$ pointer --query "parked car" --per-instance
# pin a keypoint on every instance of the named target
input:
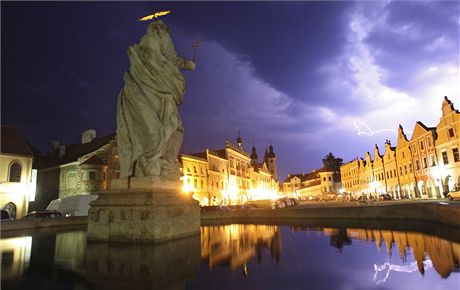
(42, 214)
(385, 196)
(5, 215)
(76, 205)
(453, 195)
(294, 201)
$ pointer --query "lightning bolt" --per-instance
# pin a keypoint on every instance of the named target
(364, 129)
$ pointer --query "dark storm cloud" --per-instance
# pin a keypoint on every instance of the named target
(300, 74)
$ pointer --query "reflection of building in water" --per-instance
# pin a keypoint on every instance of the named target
(70, 250)
(444, 255)
(237, 244)
(15, 256)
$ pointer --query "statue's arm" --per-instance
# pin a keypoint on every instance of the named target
(185, 64)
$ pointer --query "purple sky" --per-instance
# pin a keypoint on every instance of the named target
(307, 75)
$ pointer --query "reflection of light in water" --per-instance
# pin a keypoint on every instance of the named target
(15, 253)
(412, 267)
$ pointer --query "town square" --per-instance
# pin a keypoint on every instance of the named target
(230, 145)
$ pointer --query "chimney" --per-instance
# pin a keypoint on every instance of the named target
(88, 136)
(61, 150)
(54, 145)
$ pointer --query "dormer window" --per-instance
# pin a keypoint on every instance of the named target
(451, 132)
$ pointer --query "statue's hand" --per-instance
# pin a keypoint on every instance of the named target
(185, 64)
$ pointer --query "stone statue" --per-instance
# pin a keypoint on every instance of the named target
(149, 128)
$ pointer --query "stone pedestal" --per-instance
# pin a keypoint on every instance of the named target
(143, 210)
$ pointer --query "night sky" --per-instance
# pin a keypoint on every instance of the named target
(312, 77)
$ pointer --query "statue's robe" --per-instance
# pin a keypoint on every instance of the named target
(149, 128)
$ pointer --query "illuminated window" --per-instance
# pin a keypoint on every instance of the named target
(433, 160)
(456, 155)
(445, 159)
(15, 172)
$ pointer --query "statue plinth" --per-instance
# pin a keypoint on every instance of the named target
(150, 210)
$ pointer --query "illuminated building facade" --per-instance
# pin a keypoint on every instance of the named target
(316, 183)
(447, 147)
(83, 168)
(229, 175)
(426, 166)
(17, 183)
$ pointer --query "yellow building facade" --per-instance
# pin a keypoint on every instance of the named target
(17, 182)
(228, 176)
(447, 148)
(426, 166)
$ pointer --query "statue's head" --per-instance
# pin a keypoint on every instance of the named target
(158, 25)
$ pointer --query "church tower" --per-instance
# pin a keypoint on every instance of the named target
(254, 159)
(271, 161)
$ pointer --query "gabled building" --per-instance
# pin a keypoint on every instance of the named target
(83, 168)
(447, 148)
(424, 159)
(404, 159)
(16, 176)
(390, 174)
(426, 166)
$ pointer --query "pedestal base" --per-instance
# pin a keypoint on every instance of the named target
(143, 215)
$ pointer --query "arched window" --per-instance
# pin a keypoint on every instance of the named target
(11, 209)
(15, 172)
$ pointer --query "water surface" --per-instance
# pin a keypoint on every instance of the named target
(237, 256)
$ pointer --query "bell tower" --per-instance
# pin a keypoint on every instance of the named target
(271, 161)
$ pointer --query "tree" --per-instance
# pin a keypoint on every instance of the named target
(330, 162)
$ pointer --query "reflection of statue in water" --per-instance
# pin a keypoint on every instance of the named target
(149, 128)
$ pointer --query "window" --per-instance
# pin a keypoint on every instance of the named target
(92, 175)
(400, 170)
(451, 132)
(433, 160)
(324, 178)
(15, 172)
(445, 159)
(456, 156)
(394, 172)
(425, 164)
(194, 169)
(330, 178)
(417, 165)
(405, 169)
(421, 145)
(403, 155)
(410, 168)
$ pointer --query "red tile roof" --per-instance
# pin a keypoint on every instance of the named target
(12, 142)
(74, 151)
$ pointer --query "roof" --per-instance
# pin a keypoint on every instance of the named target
(94, 160)
(302, 176)
(12, 142)
(202, 155)
(74, 151)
